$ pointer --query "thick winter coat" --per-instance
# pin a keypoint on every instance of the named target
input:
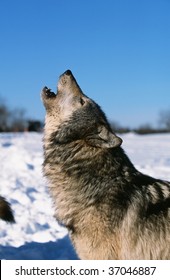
(112, 210)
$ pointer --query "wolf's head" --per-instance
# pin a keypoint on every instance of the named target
(73, 116)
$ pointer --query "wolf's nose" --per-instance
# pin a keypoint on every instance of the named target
(68, 72)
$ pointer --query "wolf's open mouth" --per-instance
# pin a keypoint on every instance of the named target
(47, 91)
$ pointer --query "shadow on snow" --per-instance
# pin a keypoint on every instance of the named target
(62, 249)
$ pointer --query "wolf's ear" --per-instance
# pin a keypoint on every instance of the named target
(104, 139)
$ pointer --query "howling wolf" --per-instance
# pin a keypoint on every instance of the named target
(111, 210)
(5, 211)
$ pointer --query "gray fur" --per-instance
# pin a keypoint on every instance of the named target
(112, 211)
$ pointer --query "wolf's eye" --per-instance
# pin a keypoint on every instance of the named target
(82, 101)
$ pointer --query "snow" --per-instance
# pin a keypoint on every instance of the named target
(36, 234)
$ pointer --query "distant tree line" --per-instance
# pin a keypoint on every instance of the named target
(163, 125)
(16, 121)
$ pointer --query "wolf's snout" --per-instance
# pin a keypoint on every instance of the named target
(66, 77)
(67, 84)
(68, 72)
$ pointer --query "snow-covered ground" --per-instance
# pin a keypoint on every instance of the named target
(36, 234)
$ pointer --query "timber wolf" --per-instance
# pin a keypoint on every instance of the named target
(111, 210)
(6, 211)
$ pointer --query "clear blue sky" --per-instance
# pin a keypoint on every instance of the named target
(118, 50)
